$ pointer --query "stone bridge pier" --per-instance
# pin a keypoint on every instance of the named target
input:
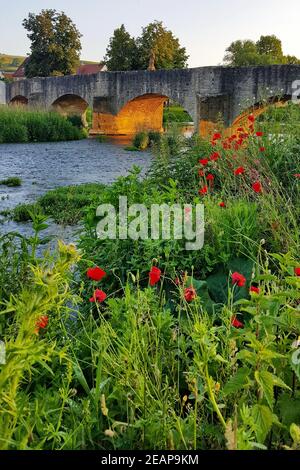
(127, 102)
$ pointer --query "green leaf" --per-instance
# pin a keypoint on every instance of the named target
(263, 420)
(295, 433)
(238, 381)
(266, 383)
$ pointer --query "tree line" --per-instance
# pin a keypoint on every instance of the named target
(56, 46)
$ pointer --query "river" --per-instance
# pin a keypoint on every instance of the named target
(45, 166)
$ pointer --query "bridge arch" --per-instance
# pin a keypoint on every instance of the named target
(143, 112)
(257, 110)
(71, 105)
(19, 100)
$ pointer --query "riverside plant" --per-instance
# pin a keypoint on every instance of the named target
(20, 125)
(141, 345)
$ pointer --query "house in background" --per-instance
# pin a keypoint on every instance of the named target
(88, 69)
(19, 74)
(83, 69)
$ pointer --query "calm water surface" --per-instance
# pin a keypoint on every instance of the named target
(46, 166)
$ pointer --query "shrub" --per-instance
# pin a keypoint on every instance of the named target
(12, 181)
(25, 125)
(141, 140)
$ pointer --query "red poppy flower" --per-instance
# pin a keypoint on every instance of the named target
(262, 149)
(297, 272)
(255, 289)
(226, 146)
(239, 171)
(41, 323)
(99, 296)
(217, 136)
(251, 128)
(251, 118)
(238, 279)
(203, 161)
(222, 204)
(240, 129)
(214, 156)
(190, 294)
(236, 323)
(257, 188)
(203, 190)
(297, 175)
(201, 173)
(210, 177)
(154, 275)
(96, 274)
(259, 134)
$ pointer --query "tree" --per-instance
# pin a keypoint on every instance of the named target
(55, 44)
(121, 52)
(165, 47)
(127, 53)
(271, 46)
(266, 51)
(291, 60)
(241, 53)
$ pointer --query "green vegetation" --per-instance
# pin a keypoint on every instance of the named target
(266, 51)
(12, 181)
(168, 349)
(55, 44)
(176, 114)
(66, 205)
(17, 124)
(127, 53)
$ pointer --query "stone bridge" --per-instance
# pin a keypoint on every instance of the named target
(126, 102)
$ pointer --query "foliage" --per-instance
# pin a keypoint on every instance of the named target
(55, 44)
(167, 51)
(150, 367)
(127, 53)
(12, 181)
(266, 51)
(17, 124)
(176, 114)
(141, 140)
(66, 205)
(121, 52)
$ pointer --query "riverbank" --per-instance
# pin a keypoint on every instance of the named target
(137, 341)
(45, 166)
(19, 125)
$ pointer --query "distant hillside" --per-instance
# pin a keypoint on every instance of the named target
(10, 63)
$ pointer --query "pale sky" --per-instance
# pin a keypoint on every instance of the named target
(204, 27)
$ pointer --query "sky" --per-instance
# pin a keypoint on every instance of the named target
(204, 27)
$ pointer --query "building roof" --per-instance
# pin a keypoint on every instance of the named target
(87, 69)
(20, 72)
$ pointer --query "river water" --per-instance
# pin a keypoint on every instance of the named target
(45, 166)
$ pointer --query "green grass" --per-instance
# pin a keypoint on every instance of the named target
(66, 205)
(176, 114)
(19, 125)
(12, 181)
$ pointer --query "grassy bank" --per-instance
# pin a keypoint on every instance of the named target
(176, 114)
(19, 125)
(142, 344)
